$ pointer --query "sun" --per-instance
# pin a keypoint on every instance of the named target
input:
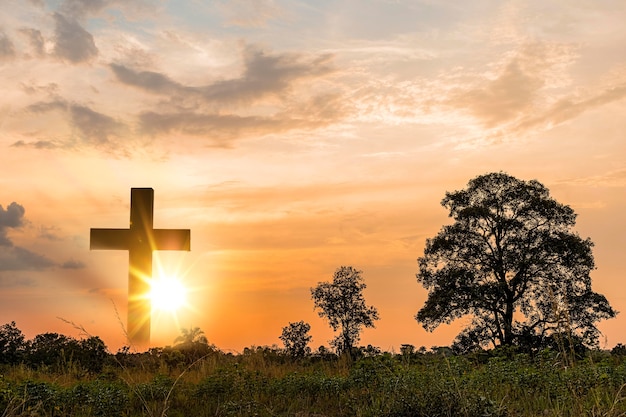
(168, 294)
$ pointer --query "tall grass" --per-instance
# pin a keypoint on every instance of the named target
(264, 382)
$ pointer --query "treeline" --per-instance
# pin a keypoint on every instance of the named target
(193, 378)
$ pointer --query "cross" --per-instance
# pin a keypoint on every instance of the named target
(140, 240)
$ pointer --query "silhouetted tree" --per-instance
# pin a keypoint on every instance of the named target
(510, 260)
(52, 349)
(342, 303)
(92, 353)
(190, 336)
(193, 345)
(296, 338)
(12, 344)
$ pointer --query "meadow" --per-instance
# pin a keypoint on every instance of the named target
(201, 380)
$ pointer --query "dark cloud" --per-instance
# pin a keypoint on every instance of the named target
(93, 126)
(223, 128)
(150, 81)
(72, 264)
(16, 258)
(73, 42)
(36, 40)
(38, 144)
(12, 217)
(264, 74)
(46, 106)
(7, 49)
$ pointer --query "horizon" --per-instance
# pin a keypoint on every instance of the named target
(292, 139)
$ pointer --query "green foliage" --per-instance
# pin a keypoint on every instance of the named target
(511, 261)
(342, 303)
(261, 382)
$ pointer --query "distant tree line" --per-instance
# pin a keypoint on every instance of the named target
(54, 351)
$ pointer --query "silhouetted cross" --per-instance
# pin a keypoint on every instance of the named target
(140, 240)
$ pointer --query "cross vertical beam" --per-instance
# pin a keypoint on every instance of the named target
(141, 239)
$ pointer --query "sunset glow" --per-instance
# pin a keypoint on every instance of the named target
(291, 138)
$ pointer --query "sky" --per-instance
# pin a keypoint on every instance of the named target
(291, 138)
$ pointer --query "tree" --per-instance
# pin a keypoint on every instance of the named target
(342, 303)
(296, 338)
(512, 262)
(12, 344)
(191, 336)
(193, 346)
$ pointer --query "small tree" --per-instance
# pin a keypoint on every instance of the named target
(341, 302)
(12, 344)
(191, 336)
(193, 345)
(296, 338)
(510, 261)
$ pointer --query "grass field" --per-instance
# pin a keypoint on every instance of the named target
(264, 381)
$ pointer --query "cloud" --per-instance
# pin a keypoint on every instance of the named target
(73, 42)
(191, 109)
(7, 48)
(81, 8)
(264, 74)
(502, 99)
(150, 81)
(48, 233)
(16, 258)
(12, 217)
(568, 108)
(36, 40)
(515, 86)
(38, 144)
(92, 127)
(72, 264)
(222, 128)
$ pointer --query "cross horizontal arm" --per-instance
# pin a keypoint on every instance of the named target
(112, 239)
(171, 239)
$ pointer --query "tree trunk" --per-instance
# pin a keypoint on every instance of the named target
(508, 323)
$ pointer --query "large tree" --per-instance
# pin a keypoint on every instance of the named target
(511, 261)
(343, 304)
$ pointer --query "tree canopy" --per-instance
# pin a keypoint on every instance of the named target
(342, 303)
(511, 261)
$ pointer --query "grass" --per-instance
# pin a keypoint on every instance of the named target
(265, 382)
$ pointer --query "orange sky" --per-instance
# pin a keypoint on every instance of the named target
(292, 138)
